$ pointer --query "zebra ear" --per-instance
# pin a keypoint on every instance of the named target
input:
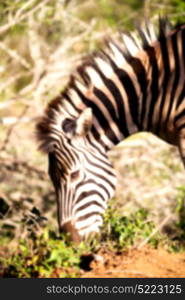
(84, 122)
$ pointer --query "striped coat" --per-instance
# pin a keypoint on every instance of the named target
(137, 83)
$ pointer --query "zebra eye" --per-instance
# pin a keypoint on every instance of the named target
(69, 125)
(75, 175)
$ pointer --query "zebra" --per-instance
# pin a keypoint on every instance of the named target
(136, 83)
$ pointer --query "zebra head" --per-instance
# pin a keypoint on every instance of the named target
(81, 173)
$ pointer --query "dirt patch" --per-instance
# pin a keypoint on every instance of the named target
(146, 262)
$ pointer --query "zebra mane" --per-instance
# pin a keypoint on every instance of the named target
(126, 46)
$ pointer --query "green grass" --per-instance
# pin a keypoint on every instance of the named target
(122, 232)
(39, 256)
(180, 209)
(45, 254)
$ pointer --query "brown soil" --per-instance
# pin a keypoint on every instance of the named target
(146, 262)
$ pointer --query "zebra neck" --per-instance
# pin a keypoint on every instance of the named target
(131, 92)
(113, 134)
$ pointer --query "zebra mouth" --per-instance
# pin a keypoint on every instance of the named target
(78, 235)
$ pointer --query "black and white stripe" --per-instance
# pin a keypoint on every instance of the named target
(136, 84)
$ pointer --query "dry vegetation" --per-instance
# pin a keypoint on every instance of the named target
(41, 42)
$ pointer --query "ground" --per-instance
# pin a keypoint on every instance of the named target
(146, 262)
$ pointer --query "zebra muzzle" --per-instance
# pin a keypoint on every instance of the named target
(69, 228)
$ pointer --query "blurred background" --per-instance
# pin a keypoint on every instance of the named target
(41, 42)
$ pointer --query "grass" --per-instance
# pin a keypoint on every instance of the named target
(43, 253)
(124, 231)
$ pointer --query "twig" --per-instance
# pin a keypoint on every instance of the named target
(4, 105)
(10, 130)
(70, 41)
(13, 120)
(10, 81)
(15, 55)
(23, 8)
(22, 17)
(75, 19)
(34, 42)
(143, 243)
